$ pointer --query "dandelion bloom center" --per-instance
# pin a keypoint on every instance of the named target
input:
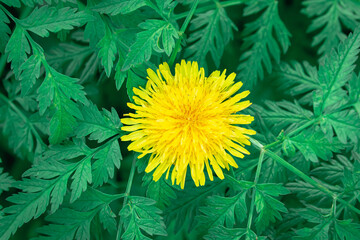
(188, 120)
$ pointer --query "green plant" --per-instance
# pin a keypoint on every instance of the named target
(68, 68)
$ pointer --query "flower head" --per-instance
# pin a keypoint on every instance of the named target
(188, 120)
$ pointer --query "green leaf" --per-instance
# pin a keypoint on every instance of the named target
(188, 202)
(133, 81)
(226, 210)
(149, 39)
(105, 160)
(94, 30)
(346, 125)
(162, 192)
(68, 224)
(30, 72)
(336, 71)
(328, 17)
(100, 125)
(260, 45)
(4, 31)
(108, 219)
(347, 230)
(223, 233)
(211, 32)
(48, 184)
(284, 114)
(50, 19)
(12, 3)
(70, 58)
(59, 89)
(141, 216)
(115, 7)
(268, 207)
(6, 181)
(18, 47)
(107, 50)
(21, 129)
(313, 145)
(297, 79)
(81, 178)
(308, 192)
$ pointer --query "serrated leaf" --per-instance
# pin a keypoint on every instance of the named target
(68, 224)
(18, 47)
(211, 32)
(59, 90)
(223, 233)
(188, 203)
(227, 208)
(44, 186)
(140, 215)
(337, 70)
(50, 19)
(115, 7)
(6, 181)
(313, 145)
(100, 126)
(284, 114)
(346, 125)
(347, 230)
(30, 72)
(328, 17)
(107, 218)
(148, 40)
(81, 178)
(12, 3)
(260, 45)
(268, 207)
(132, 81)
(107, 50)
(104, 167)
(4, 31)
(22, 131)
(162, 192)
(297, 79)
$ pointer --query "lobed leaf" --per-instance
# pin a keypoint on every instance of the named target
(50, 19)
(148, 40)
(211, 32)
(260, 45)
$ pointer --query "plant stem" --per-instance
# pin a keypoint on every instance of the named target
(127, 193)
(296, 131)
(302, 175)
(209, 7)
(257, 175)
(182, 31)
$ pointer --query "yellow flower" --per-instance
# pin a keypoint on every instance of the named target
(188, 120)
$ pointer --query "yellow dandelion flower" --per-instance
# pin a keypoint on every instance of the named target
(188, 120)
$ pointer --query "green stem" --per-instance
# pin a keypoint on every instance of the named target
(127, 193)
(257, 175)
(210, 7)
(296, 131)
(182, 31)
(303, 175)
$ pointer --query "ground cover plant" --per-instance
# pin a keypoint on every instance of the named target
(118, 120)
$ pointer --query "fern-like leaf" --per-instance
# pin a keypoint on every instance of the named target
(328, 17)
(211, 32)
(140, 215)
(260, 45)
(49, 19)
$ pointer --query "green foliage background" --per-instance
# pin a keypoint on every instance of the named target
(68, 67)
